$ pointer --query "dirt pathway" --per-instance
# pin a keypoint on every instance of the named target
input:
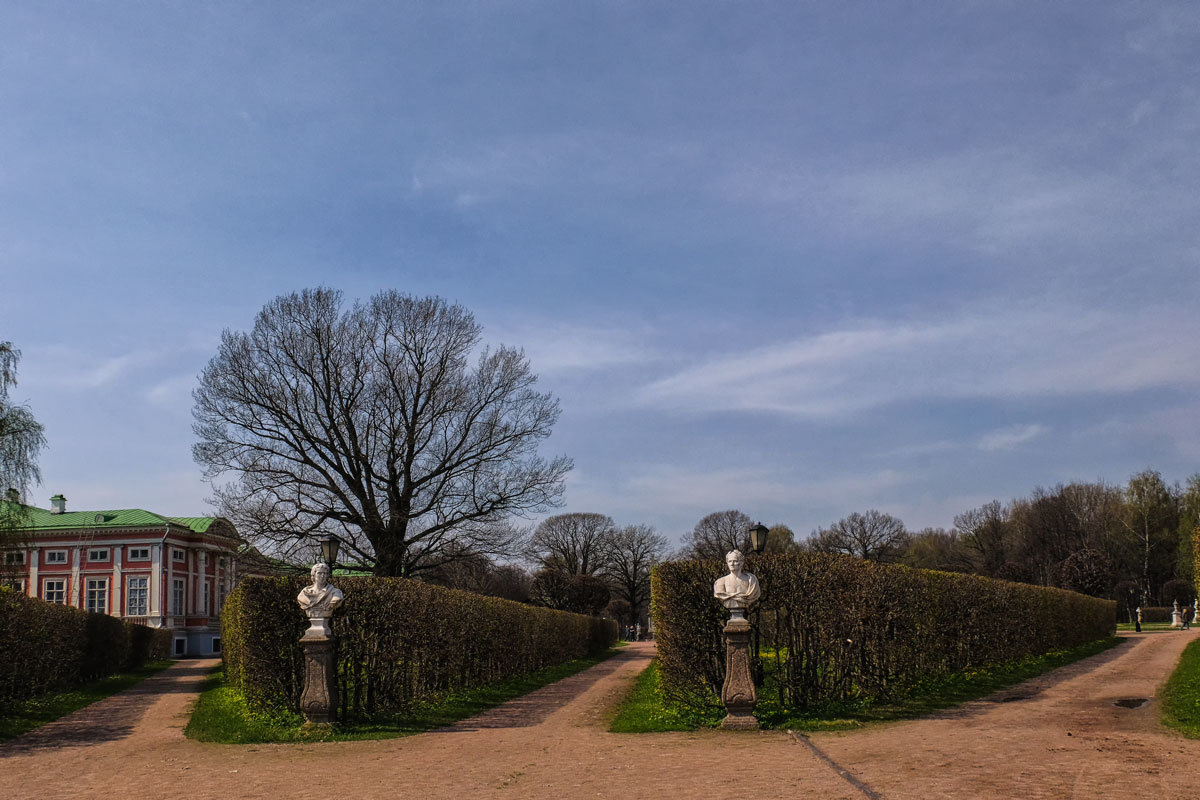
(1059, 736)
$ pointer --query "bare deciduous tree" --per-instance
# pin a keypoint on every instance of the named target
(633, 550)
(582, 594)
(373, 423)
(576, 543)
(872, 535)
(717, 534)
(1151, 518)
(985, 531)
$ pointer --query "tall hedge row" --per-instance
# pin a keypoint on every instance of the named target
(400, 642)
(843, 629)
(47, 647)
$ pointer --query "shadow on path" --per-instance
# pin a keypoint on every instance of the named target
(533, 708)
(1032, 688)
(110, 719)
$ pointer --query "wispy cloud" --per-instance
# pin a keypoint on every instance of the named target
(1011, 437)
(1054, 351)
(555, 347)
(174, 392)
(652, 490)
(70, 368)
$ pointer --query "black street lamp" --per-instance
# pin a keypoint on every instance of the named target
(758, 537)
(329, 549)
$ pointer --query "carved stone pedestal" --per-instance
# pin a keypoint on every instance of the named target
(318, 701)
(738, 693)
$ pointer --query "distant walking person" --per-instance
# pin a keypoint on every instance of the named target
(1187, 617)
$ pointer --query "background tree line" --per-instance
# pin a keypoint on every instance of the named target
(1134, 542)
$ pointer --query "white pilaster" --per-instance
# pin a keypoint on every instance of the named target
(31, 587)
(193, 589)
(75, 596)
(117, 597)
(201, 594)
(156, 587)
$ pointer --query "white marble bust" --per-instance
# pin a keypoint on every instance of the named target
(320, 599)
(738, 590)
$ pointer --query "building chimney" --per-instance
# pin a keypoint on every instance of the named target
(58, 504)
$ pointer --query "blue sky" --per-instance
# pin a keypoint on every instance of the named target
(800, 259)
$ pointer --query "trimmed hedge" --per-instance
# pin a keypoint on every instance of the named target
(400, 642)
(1157, 613)
(843, 629)
(47, 647)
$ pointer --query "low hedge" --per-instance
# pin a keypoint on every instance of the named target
(1157, 613)
(400, 642)
(47, 647)
(843, 629)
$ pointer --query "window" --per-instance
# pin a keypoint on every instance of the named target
(97, 595)
(16, 584)
(54, 591)
(216, 644)
(177, 597)
(135, 597)
(56, 556)
(204, 598)
(181, 647)
(139, 554)
(14, 558)
(98, 554)
(178, 555)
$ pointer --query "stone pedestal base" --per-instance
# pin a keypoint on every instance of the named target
(318, 701)
(738, 693)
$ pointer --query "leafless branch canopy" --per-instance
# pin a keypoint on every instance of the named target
(372, 423)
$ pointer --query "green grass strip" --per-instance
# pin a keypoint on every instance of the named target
(1181, 695)
(644, 710)
(1147, 627)
(25, 715)
(222, 714)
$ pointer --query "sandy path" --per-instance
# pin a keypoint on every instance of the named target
(552, 744)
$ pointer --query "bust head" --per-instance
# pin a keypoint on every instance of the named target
(320, 574)
(734, 560)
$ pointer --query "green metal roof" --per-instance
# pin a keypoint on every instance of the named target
(198, 524)
(42, 519)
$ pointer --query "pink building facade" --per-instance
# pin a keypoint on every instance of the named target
(165, 572)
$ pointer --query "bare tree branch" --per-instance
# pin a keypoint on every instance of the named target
(371, 422)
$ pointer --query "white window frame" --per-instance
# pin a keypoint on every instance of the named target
(178, 597)
(139, 594)
(92, 551)
(54, 557)
(94, 594)
(204, 598)
(15, 558)
(61, 592)
(178, 555)
(16, 584)
(139, 554)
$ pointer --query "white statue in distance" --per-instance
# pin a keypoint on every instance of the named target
(738, 590)
(319, 600)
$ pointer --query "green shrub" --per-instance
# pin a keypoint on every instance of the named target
(843, 629)
(400, 642)
(46, 647)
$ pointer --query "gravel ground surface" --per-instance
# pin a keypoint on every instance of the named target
(1058, 736)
